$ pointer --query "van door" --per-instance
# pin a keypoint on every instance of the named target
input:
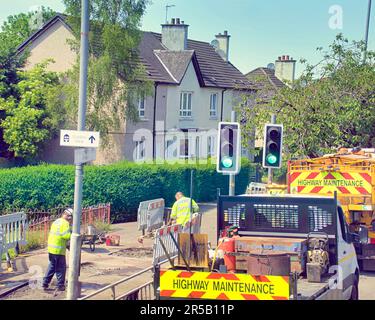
(347, 258)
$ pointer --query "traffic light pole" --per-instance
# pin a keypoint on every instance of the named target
(73, 291)
(270, 170)
(232, 177)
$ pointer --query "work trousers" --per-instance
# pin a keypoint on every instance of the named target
(57, 264)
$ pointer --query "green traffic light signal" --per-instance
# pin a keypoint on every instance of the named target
(271, 159)
(272, 148)
(227, 162)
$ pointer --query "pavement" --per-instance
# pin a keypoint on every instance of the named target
(102, 267)
(110, 264)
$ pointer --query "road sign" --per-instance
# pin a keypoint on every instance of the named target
(84, 139)
(84, 155)
(227, 286)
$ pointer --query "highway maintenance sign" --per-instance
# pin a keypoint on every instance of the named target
(83, 139)
(324, 182)
(217, 286)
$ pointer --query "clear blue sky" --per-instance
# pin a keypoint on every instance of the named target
(261, 30)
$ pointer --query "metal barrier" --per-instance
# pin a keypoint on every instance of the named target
(1, 245)
(165, 243)
(143, 292)
(14, 227)
(256, 188)
(195, 223)
(150, 215)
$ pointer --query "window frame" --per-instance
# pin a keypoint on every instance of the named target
(140, 150)
(213, 111)
(186, 148)
(142, 102)
(186, 111)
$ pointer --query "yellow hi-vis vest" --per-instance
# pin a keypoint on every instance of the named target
(181, 210)
(58, 236)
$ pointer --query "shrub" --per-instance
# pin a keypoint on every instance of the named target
(123, 185)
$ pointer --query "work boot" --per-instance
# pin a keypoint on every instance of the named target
(62, 289)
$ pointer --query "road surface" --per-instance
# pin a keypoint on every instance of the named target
(109, 264)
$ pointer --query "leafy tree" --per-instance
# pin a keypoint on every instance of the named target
(34, 116)
(331, 105)
(14, 31)
(116, 78)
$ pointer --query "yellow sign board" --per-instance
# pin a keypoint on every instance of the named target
(323, 182)
(217, 286)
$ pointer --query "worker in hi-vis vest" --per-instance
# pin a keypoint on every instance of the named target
(181, 209)
(58, 238)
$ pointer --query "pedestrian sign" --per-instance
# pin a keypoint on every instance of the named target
(83, 139)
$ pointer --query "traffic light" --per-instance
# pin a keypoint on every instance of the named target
(273, 143)
(229, 148)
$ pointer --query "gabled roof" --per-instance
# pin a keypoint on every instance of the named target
(169, 67)
(59, 17)
(175, 62)
(215, 71)
(266, 74)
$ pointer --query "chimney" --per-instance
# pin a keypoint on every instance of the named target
(223, 46)
(175, 35)
(285, 68)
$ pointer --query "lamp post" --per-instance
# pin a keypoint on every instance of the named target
(367, 29)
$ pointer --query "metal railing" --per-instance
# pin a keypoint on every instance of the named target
(143, 292)
(39, 222)
(134, 294)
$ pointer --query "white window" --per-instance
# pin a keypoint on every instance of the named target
(141, 107)
(140, 150)
(171, 151)
(184, 148)
(211, 146)
(213, 105)
(185, 104)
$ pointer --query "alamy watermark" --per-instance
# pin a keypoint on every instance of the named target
(336, 20)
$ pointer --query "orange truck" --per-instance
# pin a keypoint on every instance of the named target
(350, 173)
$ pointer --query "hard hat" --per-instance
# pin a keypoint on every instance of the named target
(68, 212)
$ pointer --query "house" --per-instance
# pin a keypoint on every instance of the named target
(278, 75)
(271, 79)
(195, 87)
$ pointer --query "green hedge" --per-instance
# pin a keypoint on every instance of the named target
(123, 185)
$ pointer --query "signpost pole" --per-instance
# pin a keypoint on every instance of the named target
(232, 177)
(270, 170)
(75, 244)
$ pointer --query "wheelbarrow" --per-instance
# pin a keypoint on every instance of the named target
(91, 236)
